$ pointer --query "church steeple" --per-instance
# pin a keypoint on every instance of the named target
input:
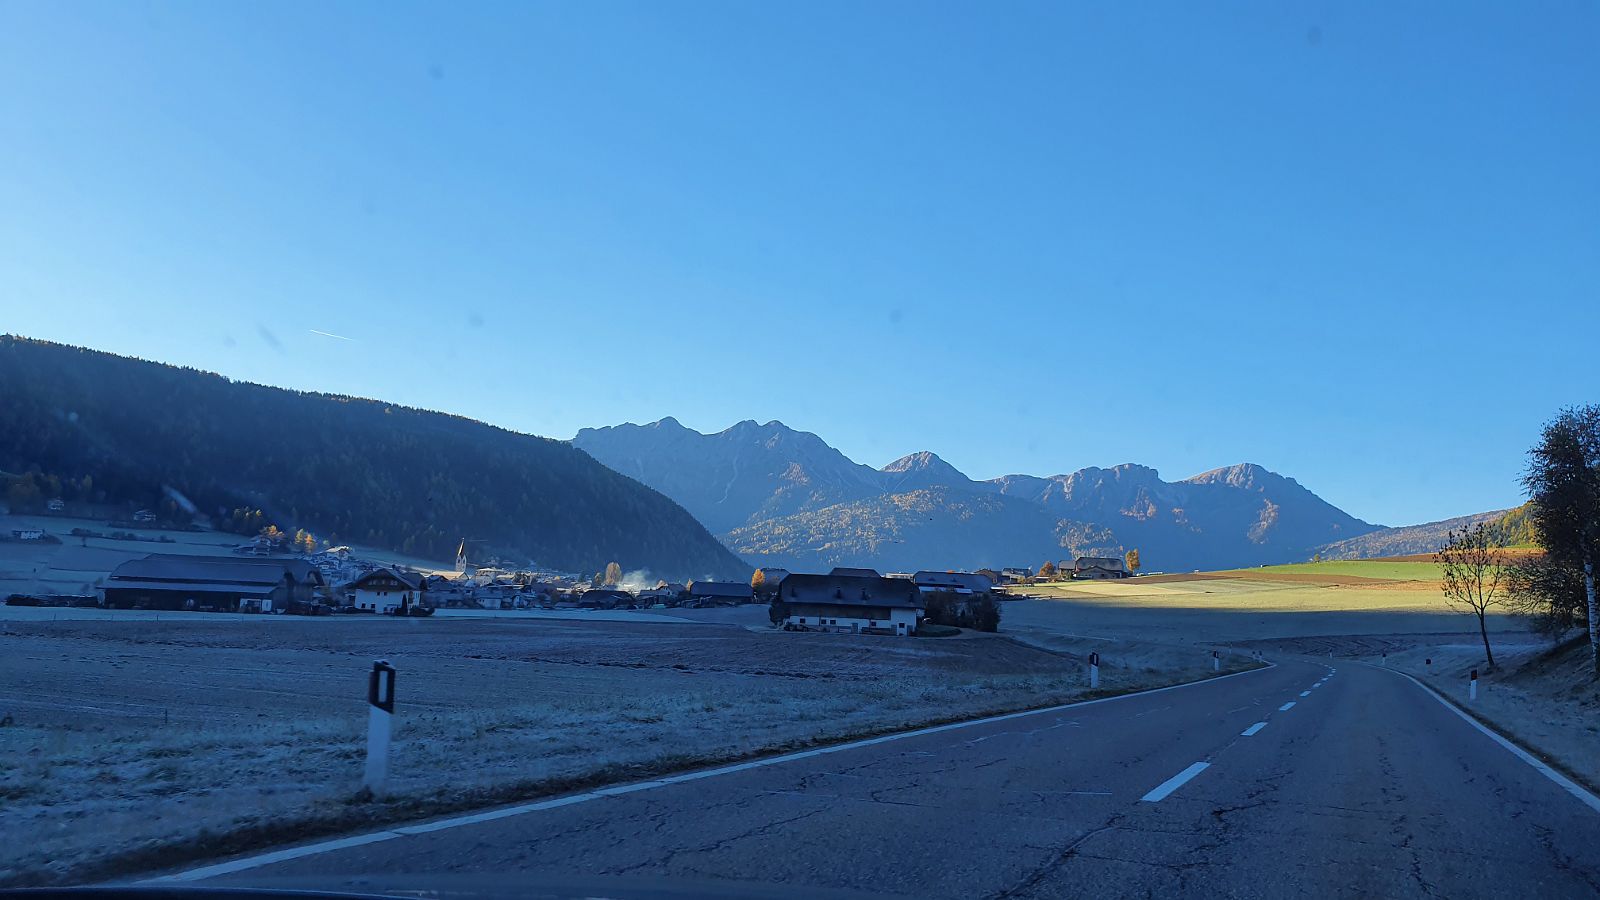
(461, 559)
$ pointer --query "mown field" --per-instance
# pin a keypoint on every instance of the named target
(1377, 597)
(1373, 569)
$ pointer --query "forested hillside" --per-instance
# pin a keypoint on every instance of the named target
(1510, 525)
(109, 429)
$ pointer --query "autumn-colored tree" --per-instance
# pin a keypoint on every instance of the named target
(1048, 570)
(1131, 559)
(613, 574)
(758, 581)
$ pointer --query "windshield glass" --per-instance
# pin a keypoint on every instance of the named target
(692, 448)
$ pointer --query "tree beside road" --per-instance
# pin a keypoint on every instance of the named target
(1474, 575)
(1563, 484)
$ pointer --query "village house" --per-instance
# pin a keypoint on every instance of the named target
(220, 583)
(954, 582)
(1015, 574)
(771, 577)
(1093, 567)
(662, 595)
(55, 504)
(720, 593)
(27, 534)
(386, 591)
(605, 598)
(144, 515)
(851, 604)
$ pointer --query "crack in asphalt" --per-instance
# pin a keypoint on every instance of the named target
(665, 860)
(1060, 858)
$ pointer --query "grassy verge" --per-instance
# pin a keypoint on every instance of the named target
(1545, 700)
(354, 812)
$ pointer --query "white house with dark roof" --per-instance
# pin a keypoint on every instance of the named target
(386, 591)
(852, 604)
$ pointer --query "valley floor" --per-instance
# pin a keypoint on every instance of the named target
(134, 742)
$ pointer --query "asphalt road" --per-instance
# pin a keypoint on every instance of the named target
(1365, 787)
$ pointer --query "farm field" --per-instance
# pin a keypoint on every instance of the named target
(134, 741)
(1362, 597)
(1373, 569)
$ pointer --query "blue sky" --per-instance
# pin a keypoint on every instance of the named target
(1358, 243)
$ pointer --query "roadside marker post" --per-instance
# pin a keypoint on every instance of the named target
(1216, 661)
(380, 725)
(1094, 670)
(1472, 686)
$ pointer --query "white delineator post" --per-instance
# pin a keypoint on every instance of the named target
(1216, 661)
(1094, 670)
(380, 725)
(1472, 686)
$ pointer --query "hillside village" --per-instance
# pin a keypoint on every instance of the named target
(275, 573)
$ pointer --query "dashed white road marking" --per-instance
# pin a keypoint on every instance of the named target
(1286, 707)
(1177, 781)
(1305, 693)
(1252, 729)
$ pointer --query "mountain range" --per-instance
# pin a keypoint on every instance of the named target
(778, 496)
(112, 431)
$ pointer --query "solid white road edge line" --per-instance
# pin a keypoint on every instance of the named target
(1177, 781)
(277, 856)
(1286, 707)
(1583, 794)
(1252, 729)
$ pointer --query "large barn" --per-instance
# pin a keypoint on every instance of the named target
(214, 583)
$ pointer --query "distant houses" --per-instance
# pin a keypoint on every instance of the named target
(953, 582)
(715, 593)
(1097, 567)
(27, 534)
(855, 604)
(605, 598)
(1015, 574)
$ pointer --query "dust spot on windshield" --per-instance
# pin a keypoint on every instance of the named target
(270, 339)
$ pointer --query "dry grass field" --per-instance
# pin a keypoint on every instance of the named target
(132, 742)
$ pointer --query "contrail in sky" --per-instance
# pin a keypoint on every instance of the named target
(330, 334)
